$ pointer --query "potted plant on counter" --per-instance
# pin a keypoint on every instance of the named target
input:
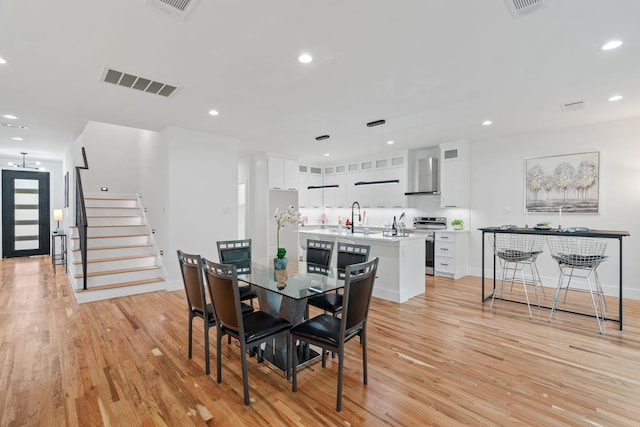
(457, 224)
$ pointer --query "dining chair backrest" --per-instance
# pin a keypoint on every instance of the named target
(192, 279)
(319, 252)
(222, 282)
(351, 253)
(236, 252)
(358, 289)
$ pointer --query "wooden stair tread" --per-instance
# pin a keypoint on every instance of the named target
(112, 226)
(111, 237)
(146, 245)
(122, 285)
(111, 198)
(111, 207)
(124, 270)
(113, 216)
(121, 258)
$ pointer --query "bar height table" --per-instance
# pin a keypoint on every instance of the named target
(601, 234)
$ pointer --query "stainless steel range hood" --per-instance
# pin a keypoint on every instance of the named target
(424, 176)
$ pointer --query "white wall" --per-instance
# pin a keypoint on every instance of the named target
(202, 191)
(112, 154)
(498, 180)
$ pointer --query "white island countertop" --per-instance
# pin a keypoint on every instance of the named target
(401, 266)
(372, 236)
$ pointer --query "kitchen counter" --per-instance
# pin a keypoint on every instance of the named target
(401, 263)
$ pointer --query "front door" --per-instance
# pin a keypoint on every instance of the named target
(25, 213)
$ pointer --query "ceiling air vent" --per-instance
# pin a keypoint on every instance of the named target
(522, 7)
(139, 83)
(180, 8)
(574, 106)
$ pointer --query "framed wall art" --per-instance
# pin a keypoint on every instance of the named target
(568, 181)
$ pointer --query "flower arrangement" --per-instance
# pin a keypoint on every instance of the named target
(288, 216)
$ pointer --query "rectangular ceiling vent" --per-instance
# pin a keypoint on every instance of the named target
(574, 106)
(179, 8)
(523, 7)
(139, 83)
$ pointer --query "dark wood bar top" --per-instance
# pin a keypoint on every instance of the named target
(565, 232)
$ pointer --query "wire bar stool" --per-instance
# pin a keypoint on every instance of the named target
(515, 252)
(579, 257)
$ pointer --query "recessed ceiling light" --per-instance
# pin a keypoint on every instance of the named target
(17, 138)
(612, 45)
(327, 154)
(10, 116)
(305, 58)
(3, 61)
(615, 98)
(213, 113)
(391, 142)
(487, 123)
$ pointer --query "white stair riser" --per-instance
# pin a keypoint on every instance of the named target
(93, 211)
(101, 242)
(112, 231)
(115, 220)
(83, 297)
(95, 267)
(111, 279)
(116, 252)
(121, 203)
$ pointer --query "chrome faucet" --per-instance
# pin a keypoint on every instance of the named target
(353, 224)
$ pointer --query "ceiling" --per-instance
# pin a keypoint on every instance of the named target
(433, 69)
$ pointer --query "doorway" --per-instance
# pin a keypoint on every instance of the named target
(25, 213)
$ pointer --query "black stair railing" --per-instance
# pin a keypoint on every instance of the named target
(81, 219)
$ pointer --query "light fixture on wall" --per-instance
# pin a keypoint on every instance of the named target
(25, 165)
(57, 216)
(385, 181)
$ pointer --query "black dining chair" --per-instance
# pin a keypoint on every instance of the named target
(319, 252)
(238, 253)
(332, 333)
(348, 253)
(250, 330)
(191, 267)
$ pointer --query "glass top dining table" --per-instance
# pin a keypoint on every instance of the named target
(284, 293)
(299, 280)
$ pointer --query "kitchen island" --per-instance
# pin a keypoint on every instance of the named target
(401, 263)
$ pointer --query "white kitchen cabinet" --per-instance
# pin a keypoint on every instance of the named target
(450, 253)
(303, 183)
(454, 174)
(282, 173)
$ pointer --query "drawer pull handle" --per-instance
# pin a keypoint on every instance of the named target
(446, 265)
(444, 237)
(444, 249)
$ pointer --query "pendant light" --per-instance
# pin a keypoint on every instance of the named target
(386, 181)
(319, 187)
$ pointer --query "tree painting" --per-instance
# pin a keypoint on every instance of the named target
(568, 181)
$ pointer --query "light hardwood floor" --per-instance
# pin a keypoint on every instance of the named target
(442, 358)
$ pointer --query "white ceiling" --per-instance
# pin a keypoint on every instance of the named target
(434, 69)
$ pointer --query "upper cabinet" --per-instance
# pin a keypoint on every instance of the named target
(454, 174)
(382, 183)
(282, 173)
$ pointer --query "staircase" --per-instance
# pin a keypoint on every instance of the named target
(121, 256)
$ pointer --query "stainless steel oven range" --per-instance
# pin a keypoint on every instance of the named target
(427, 225)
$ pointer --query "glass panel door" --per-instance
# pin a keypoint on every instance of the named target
(25, 208)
